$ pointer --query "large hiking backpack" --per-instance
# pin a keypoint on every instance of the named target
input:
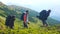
(22, 17)
(42, 15)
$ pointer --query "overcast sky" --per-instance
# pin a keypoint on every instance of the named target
(38, 5)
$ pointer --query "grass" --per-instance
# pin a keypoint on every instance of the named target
(34, 28)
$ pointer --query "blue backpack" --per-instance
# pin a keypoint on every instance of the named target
(22, 17)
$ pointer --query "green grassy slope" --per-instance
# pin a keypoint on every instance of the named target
(34, 28)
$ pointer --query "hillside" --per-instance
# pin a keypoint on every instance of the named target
(35, 26)
(52, 21)
(18, 10)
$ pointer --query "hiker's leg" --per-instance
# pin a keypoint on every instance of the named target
(24, 24)
(46, 23)
(11, 27)
(43, 22)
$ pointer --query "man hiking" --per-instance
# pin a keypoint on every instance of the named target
(24, 17)
(43, 15)
(10, 21)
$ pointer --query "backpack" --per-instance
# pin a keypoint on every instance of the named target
(42, 15)
(22, 17)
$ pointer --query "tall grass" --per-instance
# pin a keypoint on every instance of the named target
(34, 28)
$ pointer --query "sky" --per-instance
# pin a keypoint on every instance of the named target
(38, 5)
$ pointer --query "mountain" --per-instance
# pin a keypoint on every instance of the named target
(6, 10)
(52, 21)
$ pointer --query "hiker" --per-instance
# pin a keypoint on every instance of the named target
(43, 15)
(10, 21)
(24, 17)
(8, 18)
